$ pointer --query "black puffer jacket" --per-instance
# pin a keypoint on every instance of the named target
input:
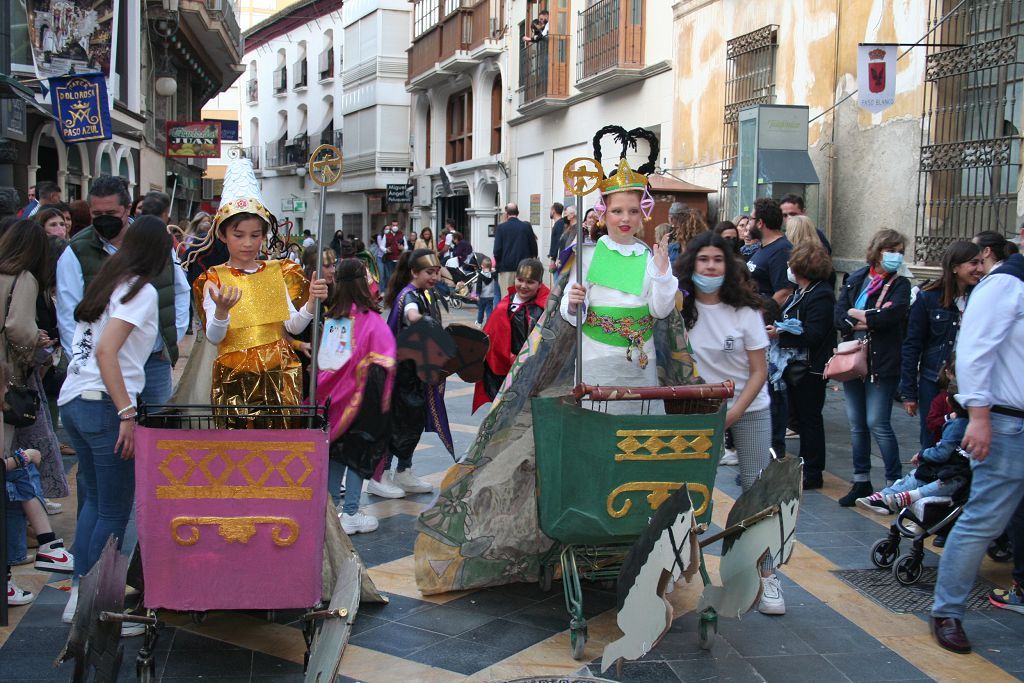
(886, 324)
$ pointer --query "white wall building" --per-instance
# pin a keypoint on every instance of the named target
(293, 61)
(603, 63)
(375, 110)
(496, 119)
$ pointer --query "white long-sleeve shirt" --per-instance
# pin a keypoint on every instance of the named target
(990, 347)
(604, 364)
(216, 329)
(71, 289)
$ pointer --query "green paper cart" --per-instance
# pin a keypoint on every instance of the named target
(600, 477)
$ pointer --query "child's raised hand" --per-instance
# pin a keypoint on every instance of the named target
(224, 298)
(661, 254)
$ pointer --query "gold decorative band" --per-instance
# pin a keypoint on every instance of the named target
(426, 261)
(664, 444)
(236, 529)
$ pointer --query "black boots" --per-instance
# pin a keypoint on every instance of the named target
(860, 489)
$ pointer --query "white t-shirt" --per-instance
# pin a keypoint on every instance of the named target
(720, 340)
(84, 373)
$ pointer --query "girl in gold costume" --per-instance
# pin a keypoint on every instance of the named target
(246, 305)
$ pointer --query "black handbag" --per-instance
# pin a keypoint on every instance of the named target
(21, 406)
(795, 372)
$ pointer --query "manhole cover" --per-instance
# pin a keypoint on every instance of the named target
(880, 586)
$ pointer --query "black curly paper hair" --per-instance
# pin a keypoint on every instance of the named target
(628, 139)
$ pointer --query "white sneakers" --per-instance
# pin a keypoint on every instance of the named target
(69, 609)
(384, 488)
(16, 595)
(771, 596)
(397, 485)
(359, 523)
(729, 457)
(410, 483)
(52, 557)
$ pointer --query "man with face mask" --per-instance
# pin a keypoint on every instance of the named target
(88, 250)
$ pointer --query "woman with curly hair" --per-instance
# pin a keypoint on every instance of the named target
(722, 312)
(688, 224)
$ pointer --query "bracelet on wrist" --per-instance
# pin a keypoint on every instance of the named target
(128, 417)
(126, 409)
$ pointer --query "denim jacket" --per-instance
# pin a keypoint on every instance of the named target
(931, 337)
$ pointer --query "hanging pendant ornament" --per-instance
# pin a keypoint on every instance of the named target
(325, 169)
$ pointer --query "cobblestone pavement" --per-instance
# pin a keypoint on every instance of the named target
(831, 631)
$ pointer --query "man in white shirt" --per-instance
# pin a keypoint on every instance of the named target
(109, 202)
(989, 356)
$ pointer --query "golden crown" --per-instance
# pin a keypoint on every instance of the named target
(624, 178)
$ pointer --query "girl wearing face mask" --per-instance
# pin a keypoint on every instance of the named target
(728, 232)
(722, 313)
(873, 304)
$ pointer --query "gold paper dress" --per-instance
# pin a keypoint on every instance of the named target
(255, 363)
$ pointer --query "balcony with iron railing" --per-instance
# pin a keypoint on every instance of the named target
(221, 42)
(544, 74)
(610, 44)
(329, 136)
(252, 153)
(465, 34)
(286, 153)
(252, 91)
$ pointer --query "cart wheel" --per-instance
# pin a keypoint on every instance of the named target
(197, 616)
(884, 553)
(907, 570)
(707, 629)
(547, 575)
(577, 641)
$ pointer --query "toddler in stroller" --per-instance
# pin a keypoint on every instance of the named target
(928, 500)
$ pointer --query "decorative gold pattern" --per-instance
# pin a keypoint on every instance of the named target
(681, 444)
(236, 529)
(257, 318)
(624, 179)
(254, 465)
(659, 493)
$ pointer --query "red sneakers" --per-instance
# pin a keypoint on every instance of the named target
(52, 557)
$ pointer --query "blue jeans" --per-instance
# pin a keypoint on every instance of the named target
(157, 391)
(353, 492)
(869, 410)
(939, 487)
(926, 393)
(484, 306)
(109, 481)
(997, 488)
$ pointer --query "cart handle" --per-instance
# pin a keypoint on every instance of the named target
(690, 391)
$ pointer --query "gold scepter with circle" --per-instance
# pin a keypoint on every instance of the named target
(581, 176)
(325, 169)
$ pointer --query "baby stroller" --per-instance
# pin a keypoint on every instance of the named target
(927, 517)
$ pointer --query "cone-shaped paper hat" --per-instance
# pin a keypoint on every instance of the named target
(241, 194)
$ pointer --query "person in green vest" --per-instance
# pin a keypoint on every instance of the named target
(109, 204)
(626, 284)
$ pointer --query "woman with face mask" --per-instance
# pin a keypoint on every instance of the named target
(806, 338)
(873, 304)
(722, 313)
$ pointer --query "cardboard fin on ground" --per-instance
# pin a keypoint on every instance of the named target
(665, 552)
(779, 484)
(332, 634)
(92, 643)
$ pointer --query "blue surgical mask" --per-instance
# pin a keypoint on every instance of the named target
(708, 285)
(891, 261)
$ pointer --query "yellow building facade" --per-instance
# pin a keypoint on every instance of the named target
(942, 163)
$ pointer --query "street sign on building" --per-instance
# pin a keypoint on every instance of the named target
(193, 139)
(876, 77)
(399, 193)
